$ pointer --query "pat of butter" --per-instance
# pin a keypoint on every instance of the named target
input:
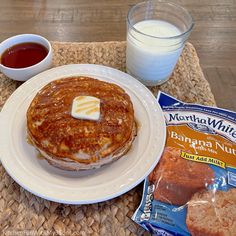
(86, 107)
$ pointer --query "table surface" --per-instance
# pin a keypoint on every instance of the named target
(214, 34)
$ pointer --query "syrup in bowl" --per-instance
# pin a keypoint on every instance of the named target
(23, 55)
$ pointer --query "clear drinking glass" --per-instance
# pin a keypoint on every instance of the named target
(156, 34)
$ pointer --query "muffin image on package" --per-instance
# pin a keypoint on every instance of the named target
(212, 213)
(177, 179)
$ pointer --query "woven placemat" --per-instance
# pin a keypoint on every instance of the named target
(22, 213)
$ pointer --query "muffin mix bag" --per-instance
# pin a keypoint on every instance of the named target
(192, 190)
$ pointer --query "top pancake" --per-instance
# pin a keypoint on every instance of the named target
(54, 131)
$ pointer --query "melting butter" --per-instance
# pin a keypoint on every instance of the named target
(86, 107)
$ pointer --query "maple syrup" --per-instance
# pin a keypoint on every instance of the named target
(23, 55)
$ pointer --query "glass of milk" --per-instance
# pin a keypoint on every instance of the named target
(156, 34)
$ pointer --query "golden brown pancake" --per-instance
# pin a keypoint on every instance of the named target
(75, 144)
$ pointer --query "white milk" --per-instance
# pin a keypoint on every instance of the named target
(151, 59)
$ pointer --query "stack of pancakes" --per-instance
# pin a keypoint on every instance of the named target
(75, 144)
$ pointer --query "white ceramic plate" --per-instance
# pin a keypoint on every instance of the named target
(37, 176)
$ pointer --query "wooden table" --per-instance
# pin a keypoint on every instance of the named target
(88, 21)
(214, 35)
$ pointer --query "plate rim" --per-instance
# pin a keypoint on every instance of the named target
(98, 67)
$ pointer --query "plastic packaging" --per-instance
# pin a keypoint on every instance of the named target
(192, 190)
